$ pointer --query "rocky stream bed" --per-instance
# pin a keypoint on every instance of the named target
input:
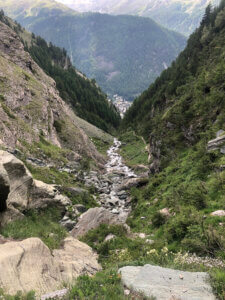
(113, 185)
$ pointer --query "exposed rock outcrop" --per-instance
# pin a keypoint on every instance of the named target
(92, 219)
(166, 284)
(29, 265)
(19, 191)
(217, 144)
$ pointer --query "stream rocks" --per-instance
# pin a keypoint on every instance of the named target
(167, 284)
(29, 265)
(114, 185)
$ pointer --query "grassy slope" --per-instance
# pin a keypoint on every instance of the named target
(179, 114)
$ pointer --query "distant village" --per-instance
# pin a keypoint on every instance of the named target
(121, 104)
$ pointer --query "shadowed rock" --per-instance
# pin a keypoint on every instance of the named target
(19, 191)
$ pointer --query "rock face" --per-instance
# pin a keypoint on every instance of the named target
(29, 265)
(217, 144)
(165, 284)
(19, 191)
(92, 219)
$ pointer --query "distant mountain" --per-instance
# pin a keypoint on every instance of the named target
(123, 53)
(180, 15)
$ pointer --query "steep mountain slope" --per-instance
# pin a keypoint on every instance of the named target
(82, 94)
(180, 15)
(179, 114)
(123, 53)
(33, 116)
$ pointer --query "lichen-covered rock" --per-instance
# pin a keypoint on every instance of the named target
(164, 284)
(29, 265)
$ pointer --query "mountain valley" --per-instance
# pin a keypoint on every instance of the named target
(93, 206)
(123, 53)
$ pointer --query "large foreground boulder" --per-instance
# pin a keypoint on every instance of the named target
(19, 191)
(166, 284)
(29, 265)
(92, 219)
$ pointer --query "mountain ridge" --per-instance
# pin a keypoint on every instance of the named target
(120, 52)
(181, 16)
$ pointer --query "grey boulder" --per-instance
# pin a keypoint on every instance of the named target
(165, 284)
(92, 219)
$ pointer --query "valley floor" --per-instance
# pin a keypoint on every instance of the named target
(118, 244)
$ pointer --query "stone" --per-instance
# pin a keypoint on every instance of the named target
(121, 193)
(30, 265)
(126, 292)
(92, 219)
(164, 284)
(55, 295)
(219, 133)
(80, 208)
(67, 223)
(142, 235)
(133, 182)
(218, 213)
(165, 212)
(19, 180)
(217, 144)
(20, 192)
(76, 258)
(109, 237)
(150, 242)
(115, 211)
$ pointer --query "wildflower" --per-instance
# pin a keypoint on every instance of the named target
(164, 250)
(152, 252)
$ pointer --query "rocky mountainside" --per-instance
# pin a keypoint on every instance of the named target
(31, 107)
(87, 100)
(123, 53)
(179, 15)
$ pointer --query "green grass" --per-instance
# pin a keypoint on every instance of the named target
(42, 224)
(18, 296)
(52, 175)
(105, 285)
(124, 250)
(133, 149)
(101, 145)
(7, 110)
(44, 148)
